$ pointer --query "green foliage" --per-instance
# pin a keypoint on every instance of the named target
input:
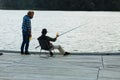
(89, 5)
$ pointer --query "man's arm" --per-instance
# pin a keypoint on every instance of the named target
(28, 22)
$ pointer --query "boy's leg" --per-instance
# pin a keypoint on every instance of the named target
(51, 54)
(61, 50)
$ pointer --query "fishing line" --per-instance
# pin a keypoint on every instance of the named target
(72, 29)
(66, 32)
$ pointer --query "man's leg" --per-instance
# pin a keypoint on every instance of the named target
(23, 43)
(22, 47)
(27, 44)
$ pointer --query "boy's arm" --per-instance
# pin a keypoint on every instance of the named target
(51, 39)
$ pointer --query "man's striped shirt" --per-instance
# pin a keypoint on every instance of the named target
(26, 25)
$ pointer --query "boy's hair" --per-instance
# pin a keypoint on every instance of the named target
(44, 31)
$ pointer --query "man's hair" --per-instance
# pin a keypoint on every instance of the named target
(30, 12)
(44, 31)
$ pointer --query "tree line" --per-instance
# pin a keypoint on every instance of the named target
(82, 5)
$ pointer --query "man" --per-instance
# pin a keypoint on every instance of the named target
(48, 39)
(26, 32)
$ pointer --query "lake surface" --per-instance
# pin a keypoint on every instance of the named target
(98, 31)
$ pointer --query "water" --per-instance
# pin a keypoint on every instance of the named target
(101, 32)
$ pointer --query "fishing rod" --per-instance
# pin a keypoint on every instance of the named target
(71, 30)
(65, 32)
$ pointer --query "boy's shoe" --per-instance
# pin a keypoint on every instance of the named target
(51, 54)
(66, 53)
(1, 53)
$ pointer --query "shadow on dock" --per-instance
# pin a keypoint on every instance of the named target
(72, 53)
